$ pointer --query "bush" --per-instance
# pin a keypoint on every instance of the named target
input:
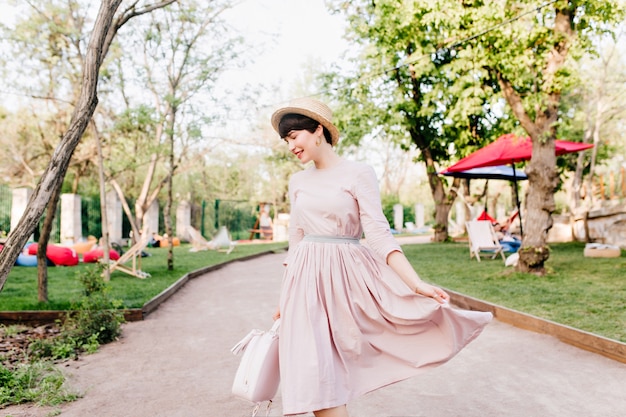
(94, 320)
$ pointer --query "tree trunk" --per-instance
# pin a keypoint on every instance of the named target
(143, 202)
(594, 153)
(543, 182)
(577, 182)
(167, 211)
(129, 214)
(443, 201)
(42, 246)
(443, 205)
(103, 205)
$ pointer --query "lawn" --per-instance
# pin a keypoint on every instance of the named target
(585, 293)
(20, 289)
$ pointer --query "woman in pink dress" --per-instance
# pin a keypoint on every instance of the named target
(354, 317)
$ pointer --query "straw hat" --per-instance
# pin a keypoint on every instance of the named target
(312, 108)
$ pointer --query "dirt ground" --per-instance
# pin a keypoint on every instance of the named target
(177, 363)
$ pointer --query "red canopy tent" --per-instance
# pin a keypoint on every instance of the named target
(509, 149)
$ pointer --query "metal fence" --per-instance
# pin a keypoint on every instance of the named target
(6, 198)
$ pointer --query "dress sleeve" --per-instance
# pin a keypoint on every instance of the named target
(295, 233)
(374, 223)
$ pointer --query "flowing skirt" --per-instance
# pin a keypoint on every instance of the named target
(350, 325)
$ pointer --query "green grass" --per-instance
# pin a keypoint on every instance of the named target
(64, 288)
(586, 293)
(38, 382)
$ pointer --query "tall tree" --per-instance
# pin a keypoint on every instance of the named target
(54, 64)
(454, 61)
(186, 48)
(105, 27)
(531, 58)
(411, 84)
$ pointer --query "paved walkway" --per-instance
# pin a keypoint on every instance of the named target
(177, 363)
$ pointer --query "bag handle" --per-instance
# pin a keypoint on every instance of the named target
(241, 345)
(275, 326)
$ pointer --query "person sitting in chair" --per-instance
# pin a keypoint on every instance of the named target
(509, 242)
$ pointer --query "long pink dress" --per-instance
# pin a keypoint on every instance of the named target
(349, 324)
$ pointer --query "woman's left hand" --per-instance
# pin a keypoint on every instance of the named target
(433, 292)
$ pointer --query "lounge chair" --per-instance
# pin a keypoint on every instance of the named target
(483, 239)
(220, 242)
(198, 242)
(134, 254)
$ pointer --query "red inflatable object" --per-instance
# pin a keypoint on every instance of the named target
(58, 255)
(93, 255)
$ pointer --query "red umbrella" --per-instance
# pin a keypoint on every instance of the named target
(508, 149)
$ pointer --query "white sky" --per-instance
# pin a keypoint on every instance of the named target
(288, 37)
(289, 33)
(285, 33)
(284, 38)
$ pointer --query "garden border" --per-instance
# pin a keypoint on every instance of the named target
(609, 348)
(601, 345)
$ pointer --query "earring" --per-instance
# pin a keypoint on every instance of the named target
(318, 142)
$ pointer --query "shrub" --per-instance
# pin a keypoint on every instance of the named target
(93, 321)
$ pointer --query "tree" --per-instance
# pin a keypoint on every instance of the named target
(105, 27)
(454, 62)
(185, 49)
(531, 58)
(413, 86)
(55, 64)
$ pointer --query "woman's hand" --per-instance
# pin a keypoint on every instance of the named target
(276, 315)
(401, 265)
(433, 292)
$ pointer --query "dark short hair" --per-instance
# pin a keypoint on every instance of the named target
(294, 121)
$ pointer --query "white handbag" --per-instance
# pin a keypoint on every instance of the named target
(258, 375)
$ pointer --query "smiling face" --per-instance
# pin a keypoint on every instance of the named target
(303, 136)
(303, 144)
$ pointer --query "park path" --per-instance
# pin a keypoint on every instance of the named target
(177, 363)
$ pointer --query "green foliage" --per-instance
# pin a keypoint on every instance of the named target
(38, 382)
(416, 87)
(95, 320)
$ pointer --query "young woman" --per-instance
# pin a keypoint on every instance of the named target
(354, 318)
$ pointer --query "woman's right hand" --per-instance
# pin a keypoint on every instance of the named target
(276, 315)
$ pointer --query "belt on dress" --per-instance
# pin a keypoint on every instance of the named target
(331, 239)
